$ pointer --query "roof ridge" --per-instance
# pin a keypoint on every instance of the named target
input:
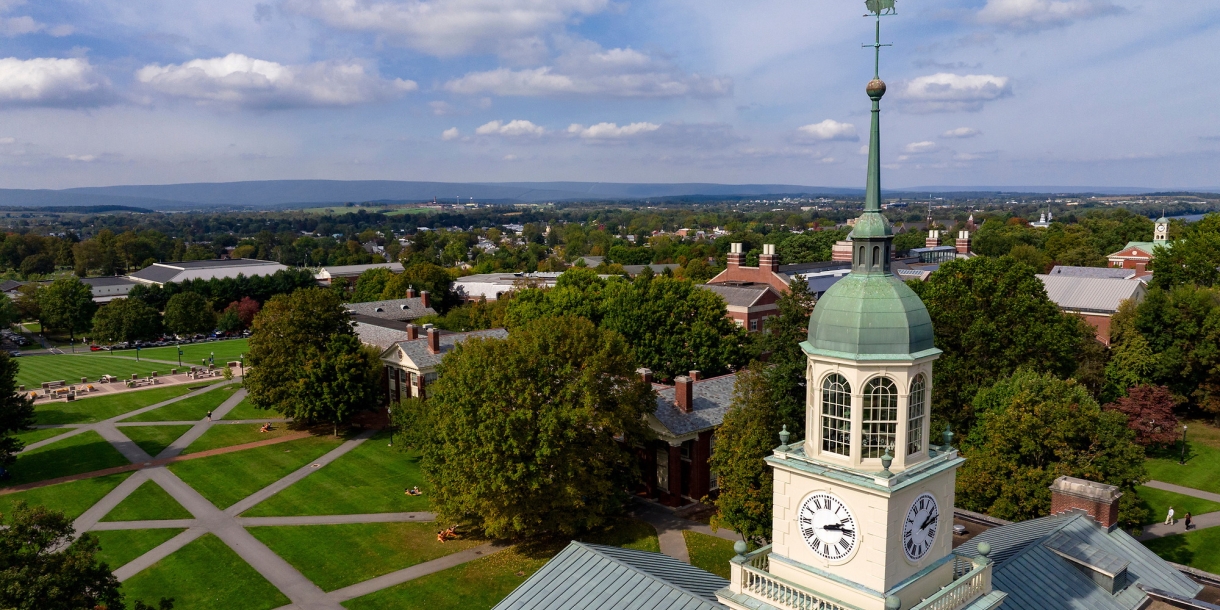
(595, 548)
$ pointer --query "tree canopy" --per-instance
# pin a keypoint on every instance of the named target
(991, 316)
(521, 432)
(747, 435)
(125, 320)
(307, 363)
(1033, 428)
(1192, 258)
(188, 313)
(16, 411)
(421, 277)
(371, 284)
(782, 341)
(67, 306)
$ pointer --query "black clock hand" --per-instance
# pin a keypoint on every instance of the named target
(926, 523)
(833, 527)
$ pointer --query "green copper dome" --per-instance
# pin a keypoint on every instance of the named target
(870, 317)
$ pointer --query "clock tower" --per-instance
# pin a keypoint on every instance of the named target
(863, 506)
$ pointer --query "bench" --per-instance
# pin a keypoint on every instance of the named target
(47, 385)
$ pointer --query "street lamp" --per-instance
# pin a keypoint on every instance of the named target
(137, 353)
(179, 356)
(1183, 459)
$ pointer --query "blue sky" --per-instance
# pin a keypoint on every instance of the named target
(981, 92)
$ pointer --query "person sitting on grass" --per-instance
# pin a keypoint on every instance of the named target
(266, 427)
(414, 491)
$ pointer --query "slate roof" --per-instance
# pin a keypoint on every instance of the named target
(393, 309)
(712, 398)
(657, 269)
(419, 354)
(355, 270)
(738, 296)
(1101, 272)
(380, 336)
(596, 577)
(1102, 295)
(1036, 577)
(10, 285)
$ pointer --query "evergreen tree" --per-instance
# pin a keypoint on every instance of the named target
(747, 435)
(16, 411)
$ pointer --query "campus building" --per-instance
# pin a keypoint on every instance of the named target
(863, 499)
(1094, 293)
(1138, 254)
(159, 274)
(409, 364)
(327, 275)
(675, 465)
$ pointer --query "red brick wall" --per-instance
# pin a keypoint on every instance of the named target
(1102, 324)
(1107, 515)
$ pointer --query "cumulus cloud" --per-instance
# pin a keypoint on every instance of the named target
(450, 134)
(961, 132)
(611, 131)
(586, 69)
(49, 81)
(1042, 14)
(452, 27)
(511, 129)
(829, 130)
(947, 92)
(24, 24)
(244, 81)
(921, 148)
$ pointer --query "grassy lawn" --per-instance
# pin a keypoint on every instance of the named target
(245, 410)
(368, 479)
(1199, 472)
(709, 552)
(1196, 549)
(153, 439)
(90, 410)
(482, 583)
(356, 552)
(192, 353)
(205, 575)
(225, 479)
(72, 498)
(190, 409)
(70, 368)
(148, 503)
(119, 547)
(30, 437)
(227, 435)
(1158, 502)
(84, 452)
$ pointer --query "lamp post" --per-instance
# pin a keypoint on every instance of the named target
(179, 356)
(1183, 458)
(137, 353)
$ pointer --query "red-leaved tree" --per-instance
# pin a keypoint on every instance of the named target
(1149, 411)
(245, 309)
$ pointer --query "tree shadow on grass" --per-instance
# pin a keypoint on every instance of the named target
(65, 458)
(1175, 548)
(1172, 452)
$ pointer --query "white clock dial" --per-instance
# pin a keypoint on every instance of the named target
(828, 526)
(920, 527)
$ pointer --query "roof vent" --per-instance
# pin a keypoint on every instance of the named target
(403, 307)
(1107, 570)
(378, 309)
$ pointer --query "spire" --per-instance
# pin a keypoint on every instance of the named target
(876, 89)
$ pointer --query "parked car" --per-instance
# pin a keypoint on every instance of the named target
(95, 348)
(14, 353)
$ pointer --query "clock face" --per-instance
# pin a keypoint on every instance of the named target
(919, 528)
(828, 526)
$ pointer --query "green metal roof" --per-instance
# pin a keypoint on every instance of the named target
(870, 316)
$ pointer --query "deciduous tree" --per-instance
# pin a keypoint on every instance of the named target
(529, 436)
(371, 284)
(423, 276)
(747, 435)
(67, 306)
(188, 313)
(1149, 412)
(1032, 428)
(125, 320)
(786, 375)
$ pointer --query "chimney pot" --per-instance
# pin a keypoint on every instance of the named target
(963, 242)
(410, 293)
(684, 393)
(645, 374)
(1099, 500)
(736, 256)
(696, 375)
(412, 332)
(424, 300)
(768, 260)
(434, 340)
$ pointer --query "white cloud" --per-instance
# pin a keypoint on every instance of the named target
(975, 156)
(1042, 14)
(450, 134)
(611, 131)
(830, 130)
(511, 129)
(49, 81)
(921, 148)
(587, 69)
(946, 92)
(452, 27)
(24, 24)
(244, 81)
(961, 133)
(82, 158)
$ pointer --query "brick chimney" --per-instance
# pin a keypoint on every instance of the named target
(645, 374)
(696, 375)
(768, 261)
(932, 240)
(963, 242)
(434, 340)
(424, 301)
(410, 293)
(737, 256)
(1099, 500)
(841, 252)
(412, 332)
(684, 393)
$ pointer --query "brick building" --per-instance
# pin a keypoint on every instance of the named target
(675, 465)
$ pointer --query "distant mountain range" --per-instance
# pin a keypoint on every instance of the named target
(286, 193)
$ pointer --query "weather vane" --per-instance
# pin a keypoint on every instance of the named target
(878, 8)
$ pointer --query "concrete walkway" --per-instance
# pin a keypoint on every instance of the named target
(226, 524)
(670, 527)
(1198, 522)
(1186, 491)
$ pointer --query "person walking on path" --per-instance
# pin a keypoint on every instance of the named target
(209, 416)
(1169, 517)
(1187, 521)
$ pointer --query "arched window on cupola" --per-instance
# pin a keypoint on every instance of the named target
(836, 415)
(880, 417)
(876, 258)
(917, 410)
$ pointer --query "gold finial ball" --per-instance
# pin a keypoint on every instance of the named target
(876, 88)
